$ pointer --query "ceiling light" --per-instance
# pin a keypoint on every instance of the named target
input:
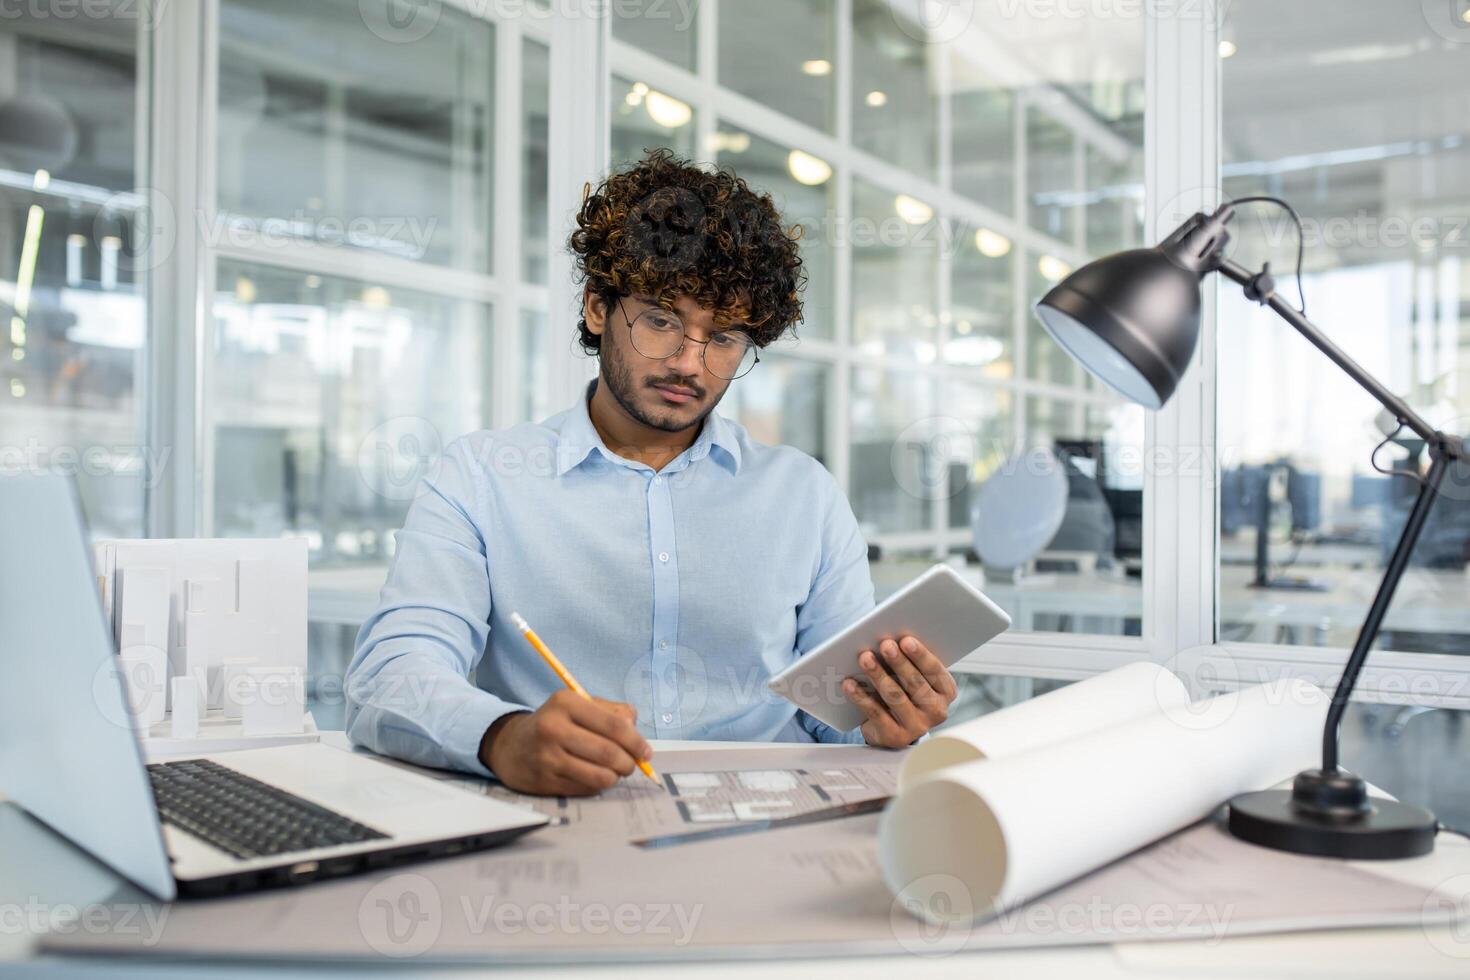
(807, 169)
(817, 66)
(877, 99)
(992, 244)
(720, 142)
(42, 180)
(666, 110)
(244, 290)
(377, 297)
(1227, 49)
(912, 210)
(1053, 269)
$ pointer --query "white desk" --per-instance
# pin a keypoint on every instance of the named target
(37, 866)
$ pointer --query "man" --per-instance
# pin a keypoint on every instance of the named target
(670, 561)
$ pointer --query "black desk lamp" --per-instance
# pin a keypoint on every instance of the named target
(1132, 319)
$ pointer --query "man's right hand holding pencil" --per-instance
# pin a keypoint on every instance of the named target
(570, 746)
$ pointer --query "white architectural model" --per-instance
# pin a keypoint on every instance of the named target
(273, 701)
(186, 706)
(196, 604)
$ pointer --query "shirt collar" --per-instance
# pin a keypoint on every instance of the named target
(578, 439)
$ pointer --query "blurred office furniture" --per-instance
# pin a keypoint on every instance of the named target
(1124, 503)
(1019, 510)
(1250, 497)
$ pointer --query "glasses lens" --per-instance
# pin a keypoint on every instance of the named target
(729, 355)
(657, 333)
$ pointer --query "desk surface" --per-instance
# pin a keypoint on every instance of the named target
(38, 869)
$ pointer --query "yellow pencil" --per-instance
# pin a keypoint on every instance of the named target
(565, 675)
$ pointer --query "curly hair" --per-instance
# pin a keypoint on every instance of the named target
(666, 228)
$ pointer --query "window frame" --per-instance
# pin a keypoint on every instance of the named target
(179, 50)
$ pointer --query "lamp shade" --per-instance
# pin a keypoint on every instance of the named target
(1131, 318)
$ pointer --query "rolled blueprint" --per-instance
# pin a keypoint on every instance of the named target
(1007, 830)
(1138, 690)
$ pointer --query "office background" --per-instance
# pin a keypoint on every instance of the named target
(261, 259)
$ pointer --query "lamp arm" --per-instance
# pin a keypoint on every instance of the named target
(1442, 450)
(1396, 405)
(1368, 634)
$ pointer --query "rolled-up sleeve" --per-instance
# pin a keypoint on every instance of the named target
(841, 593)
(408, 689)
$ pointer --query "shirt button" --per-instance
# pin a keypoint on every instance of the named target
(663, 556)
(663, 644)
(658, 480)
(668, 719)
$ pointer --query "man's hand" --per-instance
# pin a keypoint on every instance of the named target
(908, 692)
(567, 747)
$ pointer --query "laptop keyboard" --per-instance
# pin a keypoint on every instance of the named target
(245, 817)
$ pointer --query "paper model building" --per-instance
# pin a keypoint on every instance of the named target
(205, 601)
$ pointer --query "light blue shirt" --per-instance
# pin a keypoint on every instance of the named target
(680, 592)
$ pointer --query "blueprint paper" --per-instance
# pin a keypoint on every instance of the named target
(1013, 828)
(1137, 690)
(579, 891)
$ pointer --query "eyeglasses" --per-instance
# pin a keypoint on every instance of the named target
(659, 335)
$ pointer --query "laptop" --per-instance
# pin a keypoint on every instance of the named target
(207, 825)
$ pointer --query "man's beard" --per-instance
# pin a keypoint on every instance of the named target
(620, 385)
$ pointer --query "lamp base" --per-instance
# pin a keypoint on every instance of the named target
(1330, 814)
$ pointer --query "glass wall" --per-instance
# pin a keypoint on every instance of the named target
(356, 324)
(368, 143)
(1353, 117)
(74, 258)
(945, 175)
(332, 398)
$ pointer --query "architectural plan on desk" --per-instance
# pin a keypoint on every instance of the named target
(730, 785)
(581, 891)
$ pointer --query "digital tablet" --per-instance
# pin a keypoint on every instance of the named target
(947, 614)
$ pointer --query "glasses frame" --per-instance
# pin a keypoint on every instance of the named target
(703, 344)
